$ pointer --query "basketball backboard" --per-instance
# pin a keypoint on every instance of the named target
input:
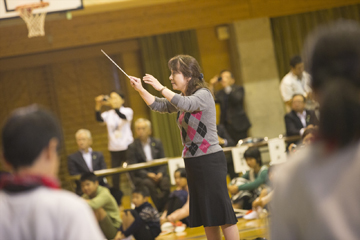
(7, 7)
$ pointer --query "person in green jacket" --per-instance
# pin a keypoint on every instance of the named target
(103, 204)
(245, 189)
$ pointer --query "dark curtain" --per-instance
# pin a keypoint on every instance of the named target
(289, 32)
(156, 52)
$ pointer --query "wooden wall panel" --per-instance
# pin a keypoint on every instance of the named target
(67, 85)
(144, 21)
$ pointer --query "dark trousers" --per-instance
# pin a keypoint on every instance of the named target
(117, 159)
(234, 134)
(159, 192)
(173, 204)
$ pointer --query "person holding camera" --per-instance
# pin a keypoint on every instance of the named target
(118, 122)
(231, 100)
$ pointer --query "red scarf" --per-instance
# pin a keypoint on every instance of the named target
(17, 183)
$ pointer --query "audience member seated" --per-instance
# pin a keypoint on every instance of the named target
(297, 81)
(32, 205)
(299, 119)
(245, 189)
(143, 222)
(261, 202)
(145, 149)
(85, 160)
(177, 198)
(103, 203)
(308, 137)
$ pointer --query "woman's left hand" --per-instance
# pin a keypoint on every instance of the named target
(150, 79)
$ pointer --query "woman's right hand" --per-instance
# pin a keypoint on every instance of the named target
(136, 83)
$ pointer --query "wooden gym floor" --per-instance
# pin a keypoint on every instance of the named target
(248, 229)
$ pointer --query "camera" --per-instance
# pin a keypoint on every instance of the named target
(219, 79)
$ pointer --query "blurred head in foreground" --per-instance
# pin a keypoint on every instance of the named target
(332, 56)
(30, 142)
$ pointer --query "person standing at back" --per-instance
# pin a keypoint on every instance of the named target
(231, 99)
(32, 205)
(297, 81)
(118, 123)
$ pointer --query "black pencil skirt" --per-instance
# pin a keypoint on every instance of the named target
(210, 203)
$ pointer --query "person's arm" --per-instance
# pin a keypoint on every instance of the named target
(196, 102)
(237, 97)
(291, 129)
(72, 167)
(100, 200)
(99, 102)
(225, 135)
(286, 90)
(180, 213)
(102, 161)
(164, 168)
(131, 159)
(121, 115)
(261, 179)
(132, 228)
(155, 104)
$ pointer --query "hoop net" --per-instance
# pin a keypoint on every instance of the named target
(34, 21)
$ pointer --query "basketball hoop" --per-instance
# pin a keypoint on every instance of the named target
(34, 21)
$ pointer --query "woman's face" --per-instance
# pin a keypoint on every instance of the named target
(178, 81)
(180, 181)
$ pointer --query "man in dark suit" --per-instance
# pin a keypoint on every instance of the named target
(85, 160)
(299, 119)
(231, 100)
(145, 149)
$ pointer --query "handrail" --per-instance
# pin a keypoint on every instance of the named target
(162, 161)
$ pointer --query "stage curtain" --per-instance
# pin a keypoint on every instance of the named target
(156, 52)
(289, 32)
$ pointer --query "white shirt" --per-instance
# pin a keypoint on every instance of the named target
(88, 158)
(147, 150)
(119, 130)
(291, 85)
(317, 195)
(44, 214)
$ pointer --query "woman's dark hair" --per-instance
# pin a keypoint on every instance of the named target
(253, 152)
(26, 133)
(182, 172)
(189, 67)
(88, 176)
(333, 60)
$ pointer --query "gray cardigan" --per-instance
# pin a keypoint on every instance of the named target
(196, 119)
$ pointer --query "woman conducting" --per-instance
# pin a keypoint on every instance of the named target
(205, 162)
